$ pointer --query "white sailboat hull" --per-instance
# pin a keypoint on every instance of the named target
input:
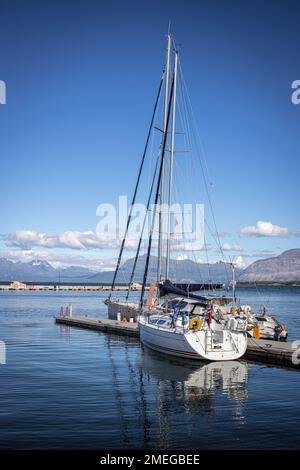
(194, 345)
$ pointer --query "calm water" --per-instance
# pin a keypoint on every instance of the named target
(72, 388)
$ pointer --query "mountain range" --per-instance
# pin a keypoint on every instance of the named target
(40, 271)
(180, 271)
(285, 267)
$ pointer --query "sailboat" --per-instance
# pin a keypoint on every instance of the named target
(176, 322)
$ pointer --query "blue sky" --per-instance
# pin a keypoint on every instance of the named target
(81, 80)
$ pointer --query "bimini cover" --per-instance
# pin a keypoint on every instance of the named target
(168, 288)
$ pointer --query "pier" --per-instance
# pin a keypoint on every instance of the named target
(259, 350)
(272, 352)
(21, 286)
(101, 324)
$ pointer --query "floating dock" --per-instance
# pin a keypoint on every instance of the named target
(101, 324)
(259, 350)
(272, 352)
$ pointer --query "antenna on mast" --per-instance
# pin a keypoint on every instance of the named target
(169, 27)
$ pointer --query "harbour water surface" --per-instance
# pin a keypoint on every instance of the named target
(67, 388)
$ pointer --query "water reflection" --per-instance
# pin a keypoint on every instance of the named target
(196, 385)
(65, 333)
(200, 377)
(163, 389)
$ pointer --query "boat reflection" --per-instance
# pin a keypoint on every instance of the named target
(198, 381)
(194, 391)
(155, 391)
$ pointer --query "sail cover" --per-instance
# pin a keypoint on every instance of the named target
(168, 288)
(192, 287)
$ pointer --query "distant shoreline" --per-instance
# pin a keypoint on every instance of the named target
(268, 283)
(106, 286)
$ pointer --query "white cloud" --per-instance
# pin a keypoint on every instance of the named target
(28, 239)
(264, 229)
(232, 247)
(195, 245)
(240, 262)
(75, 240)
(181, 257)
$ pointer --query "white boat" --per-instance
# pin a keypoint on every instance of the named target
(175, 330)
(214, 342)
(260, 325)
(265, 326)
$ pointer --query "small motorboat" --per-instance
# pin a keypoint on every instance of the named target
(260, 325)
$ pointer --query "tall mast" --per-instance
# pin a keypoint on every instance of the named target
(156, 196)
(162, 185)
(171, 170)
(233, 284)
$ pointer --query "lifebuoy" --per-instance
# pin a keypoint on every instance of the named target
(195, 324)
(233, 311)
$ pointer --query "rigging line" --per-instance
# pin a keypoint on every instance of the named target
(183, 119)
(196, 127)
(214, 238)
(137, 185)
(149, 170)
(142, 232)
(186, 101)
(207, 261)
(205, 180)
(202, 168)
(184, 245)
(157, 195)
(118, 393)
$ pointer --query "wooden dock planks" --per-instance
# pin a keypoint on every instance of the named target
(101, 324)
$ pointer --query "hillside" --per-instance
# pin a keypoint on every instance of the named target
(285, 267)
(180, 271)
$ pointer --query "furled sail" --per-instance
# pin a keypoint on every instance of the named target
(168, 288)
(193, 287)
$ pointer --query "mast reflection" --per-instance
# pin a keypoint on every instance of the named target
(193, 389)
(155, 394)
